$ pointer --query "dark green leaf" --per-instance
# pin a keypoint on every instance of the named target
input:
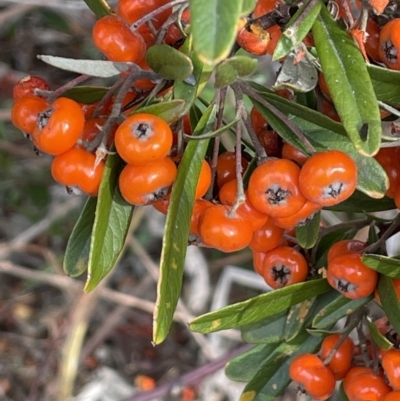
(360, 202)
(244, 366)
(337, 309)
(212, 134)
(349, 83)
(214, 27)
(372, 233)
(169, 62)
(234, 67)
(383, 264)
(296, 318)
(386, 84)
(342, 394)
(389, 300)
(265, 331)
(248, 6)
(99, 7)
(169, 111)
(307, 234)
(76, 257)
(272, 378)
(111, 225)
(296, 31)
(86, 94)
(379, 339)
(186, 91)
(177, 229)
(259, 307)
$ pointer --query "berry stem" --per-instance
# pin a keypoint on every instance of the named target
(252, 93)
(151, 15)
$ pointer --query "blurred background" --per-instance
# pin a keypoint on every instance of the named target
(57, 343)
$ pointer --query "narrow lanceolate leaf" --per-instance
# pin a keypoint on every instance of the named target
(296, 318)
(169, 62)
(244, 366)
(86, 94)
(297, 28)
(337, 309)
(259, 307)
(383, 264)
(76, 257)
(189, 91)
(94, 68)
(349, 83)
(378, 338)
(168, 111)
(307, 234)
(386, 84)
(365, 203)
(177, 229)
(272, 377)
(99, 7)
(214, 25)
(111, 225)
(389, 300)
(248, 6)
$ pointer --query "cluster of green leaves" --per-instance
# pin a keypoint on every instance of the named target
(289, 321)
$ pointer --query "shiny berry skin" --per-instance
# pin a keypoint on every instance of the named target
(226, 167)
(392, 396)
(59, 127)
(144, 183)
(372, 43)
(389, 159)
(299, 218)
(116, 41)
(228, 195)
(391, 366)
(342, 360)
(274, 188)
(258, 259)
(204, 181)
(28, 85)
(345, 246)
(328, 178)
(25, 111)
(221, 229)
(365, 385)
(267, 237)
(389, 44)
(350, 276)
(264, 7)
(283, 266)
(133, 10)
(292, 153)
(198, 208)
(77, 168)
(313, 376)
(253, 39)
(143, 138)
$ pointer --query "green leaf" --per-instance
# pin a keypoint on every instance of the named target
(337, 309)
(169, 111)
(307, 234)
(99, 7)
(187, 91)
(214, 25)
(386, 84)
(111, 225)
(349, 83)
(359, 202)
(294, 31)
(177, 229)
(379, 339)
(296, 318)
(256, 308)
(169, 62)
(390, 267)
(389, 300)
(248, 6)
(265, 331)
(342, 394)
(234, 67)
(77, 252)
(244, 366)
(212, 134)
(323, 133)
(272, 377)
(86, 94)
